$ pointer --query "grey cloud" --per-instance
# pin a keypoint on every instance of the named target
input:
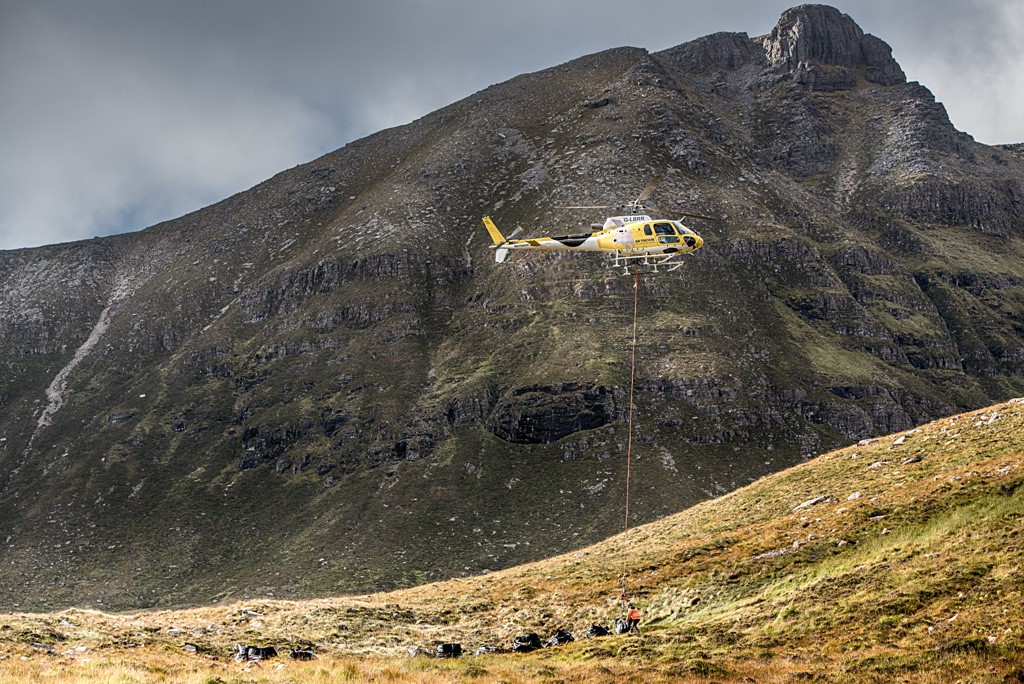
(966, 51)
(93, 133)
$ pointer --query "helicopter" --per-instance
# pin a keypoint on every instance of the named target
(633, 237)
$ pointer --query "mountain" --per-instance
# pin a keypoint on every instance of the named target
(326, 384)
(896, 559)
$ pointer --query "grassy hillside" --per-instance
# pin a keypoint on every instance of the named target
(899, 558)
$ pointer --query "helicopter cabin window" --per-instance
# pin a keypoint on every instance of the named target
(647, 229)
(666, 233)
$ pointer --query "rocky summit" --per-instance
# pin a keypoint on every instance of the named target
(326, 384)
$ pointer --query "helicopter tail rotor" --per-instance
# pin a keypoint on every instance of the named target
(500, 250)
(512, 236)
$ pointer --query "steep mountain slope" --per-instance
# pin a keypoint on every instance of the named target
(324, 383)
(898, 558)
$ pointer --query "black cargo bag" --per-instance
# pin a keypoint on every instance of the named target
(526, 643)
(621, 626)
(598, 631)
(561, 636)
(449, 650)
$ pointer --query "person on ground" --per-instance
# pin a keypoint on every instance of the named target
(633, 619)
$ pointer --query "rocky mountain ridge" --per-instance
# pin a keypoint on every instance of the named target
(324, 383)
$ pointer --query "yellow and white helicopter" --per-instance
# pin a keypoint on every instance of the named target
(633, 237)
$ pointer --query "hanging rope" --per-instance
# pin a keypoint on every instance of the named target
(629, 436)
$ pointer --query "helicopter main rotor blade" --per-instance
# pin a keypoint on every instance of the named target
(683, 213)
(648, 190)
(603, 206)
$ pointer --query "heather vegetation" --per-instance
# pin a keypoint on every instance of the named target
(899, 558)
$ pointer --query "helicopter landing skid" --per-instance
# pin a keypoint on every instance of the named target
(651, 263)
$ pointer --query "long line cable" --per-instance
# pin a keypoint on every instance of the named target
(629, 436)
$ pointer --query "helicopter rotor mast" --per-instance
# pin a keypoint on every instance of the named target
(637, 205)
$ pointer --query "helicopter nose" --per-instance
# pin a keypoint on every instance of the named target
(699, 242)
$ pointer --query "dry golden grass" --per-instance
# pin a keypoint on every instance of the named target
(898, 559)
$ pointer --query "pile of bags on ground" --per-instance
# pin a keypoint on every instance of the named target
(245, 653)
(524, 643)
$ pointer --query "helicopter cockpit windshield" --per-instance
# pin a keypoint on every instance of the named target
(683, 230)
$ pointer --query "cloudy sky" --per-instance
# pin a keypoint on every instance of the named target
(117, 114)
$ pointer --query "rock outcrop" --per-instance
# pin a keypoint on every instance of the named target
(824, 48)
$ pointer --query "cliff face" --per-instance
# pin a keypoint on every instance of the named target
(326, 384)
(823, 48)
